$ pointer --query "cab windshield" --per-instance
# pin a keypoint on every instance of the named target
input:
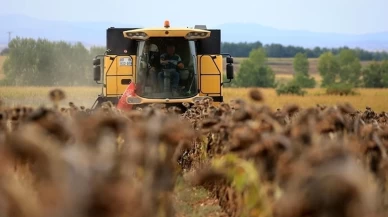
(166, 68)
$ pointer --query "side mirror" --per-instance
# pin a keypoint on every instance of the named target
(97, 73)
(229, 71)
(96, 62)
(229, 60)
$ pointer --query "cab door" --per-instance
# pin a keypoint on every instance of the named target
(119, 64)
(210, 65)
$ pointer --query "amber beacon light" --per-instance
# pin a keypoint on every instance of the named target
(166, 24)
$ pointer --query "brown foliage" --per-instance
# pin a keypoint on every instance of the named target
(319, 161)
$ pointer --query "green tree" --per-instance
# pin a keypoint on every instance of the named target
(81, 65)
(45, 75)
(63, 63)
(328, 68)
(371, 75)
(384, 73)
(350, 67)
(301, 71)
(42, 62)
(304, 81)
(375, 75)
(301, 64)
(278, 50)
(290, 88)
(254, 72)
(21, 65)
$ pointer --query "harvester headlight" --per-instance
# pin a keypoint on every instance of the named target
(137, 35)
(133, 100)
(199, 98)
(192, 35)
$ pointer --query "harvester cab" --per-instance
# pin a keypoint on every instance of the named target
(166, 64)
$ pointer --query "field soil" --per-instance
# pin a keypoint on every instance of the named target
(195, 201)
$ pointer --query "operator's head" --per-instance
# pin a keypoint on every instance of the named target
(170, 49)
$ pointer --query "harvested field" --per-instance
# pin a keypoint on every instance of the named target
(244, 158)
(375, 98)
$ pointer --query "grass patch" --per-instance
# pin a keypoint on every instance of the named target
(374, 98)
(194, 201)
(36, 96)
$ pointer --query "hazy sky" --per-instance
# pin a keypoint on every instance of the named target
(342, 16)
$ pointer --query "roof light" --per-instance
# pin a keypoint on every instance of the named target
(137, 35)
(166, 24)
(195, 35)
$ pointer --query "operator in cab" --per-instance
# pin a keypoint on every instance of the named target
(170, 60)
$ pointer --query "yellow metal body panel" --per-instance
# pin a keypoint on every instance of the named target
(167, 32)
(210, 77)
(115, 71)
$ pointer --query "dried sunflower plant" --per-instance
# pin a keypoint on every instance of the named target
(258, 162)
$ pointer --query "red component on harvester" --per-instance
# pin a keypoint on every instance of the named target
(129, 92)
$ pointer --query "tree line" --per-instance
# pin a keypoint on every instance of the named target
(340, 72)
(273, 50)
(44, 63)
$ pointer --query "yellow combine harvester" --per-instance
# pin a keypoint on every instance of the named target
(161, 65)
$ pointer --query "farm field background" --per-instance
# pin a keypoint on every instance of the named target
(85, 96)
(284, 65)
(283, 68)
(198, 201)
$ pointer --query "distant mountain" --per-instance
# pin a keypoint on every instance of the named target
(236, 32)
(93, 33)
(89, 33)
